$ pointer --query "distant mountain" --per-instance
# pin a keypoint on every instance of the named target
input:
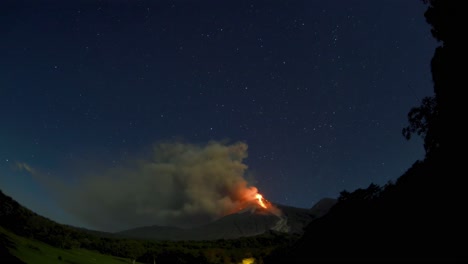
(248, 222)
(154, 232)
(323, 206)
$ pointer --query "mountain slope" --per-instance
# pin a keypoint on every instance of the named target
(248, 222)
(16, 249)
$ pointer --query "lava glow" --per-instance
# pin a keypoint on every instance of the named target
(260, 200)
(249, 198)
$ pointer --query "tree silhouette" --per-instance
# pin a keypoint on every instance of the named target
(437, 118)
(422, 216)
(422, 121)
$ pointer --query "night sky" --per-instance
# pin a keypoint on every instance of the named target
(318, 90)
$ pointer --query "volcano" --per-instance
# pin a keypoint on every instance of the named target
(250, 221)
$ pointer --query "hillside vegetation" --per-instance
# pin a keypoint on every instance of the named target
(29, 231)
(33, 251)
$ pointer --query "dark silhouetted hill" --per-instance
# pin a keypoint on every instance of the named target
(421, 217)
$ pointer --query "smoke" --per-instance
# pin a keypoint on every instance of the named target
(181, 185)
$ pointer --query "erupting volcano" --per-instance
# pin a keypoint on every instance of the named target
(248, 198)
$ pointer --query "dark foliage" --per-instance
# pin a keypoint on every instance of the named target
(5, 255)
(422, 121)
(420, 217)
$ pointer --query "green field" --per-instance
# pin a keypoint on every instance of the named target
(35, 252)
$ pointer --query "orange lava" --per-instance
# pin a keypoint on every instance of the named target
(249, 197)
(260, 200)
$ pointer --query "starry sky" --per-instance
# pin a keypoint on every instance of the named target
(318, 90)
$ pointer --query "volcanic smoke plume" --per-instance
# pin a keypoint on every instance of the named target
(180, 185)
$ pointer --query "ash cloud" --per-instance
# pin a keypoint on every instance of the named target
(181, 185)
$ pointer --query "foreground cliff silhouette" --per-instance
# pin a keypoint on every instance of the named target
(421, 216)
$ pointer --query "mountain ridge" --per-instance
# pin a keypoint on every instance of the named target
(248, 222)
